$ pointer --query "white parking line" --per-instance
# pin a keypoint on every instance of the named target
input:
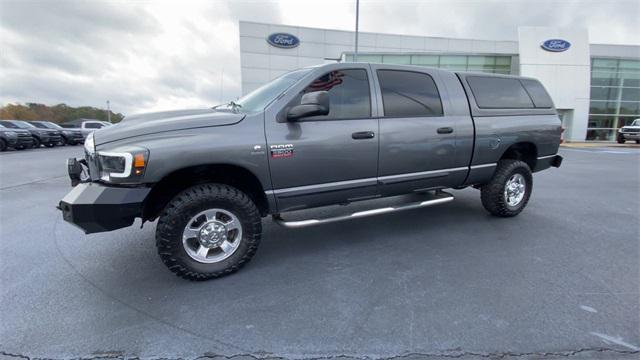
(615, 340)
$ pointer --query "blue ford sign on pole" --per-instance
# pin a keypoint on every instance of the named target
(283, 40)
(556, 45)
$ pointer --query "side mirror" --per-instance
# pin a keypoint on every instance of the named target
(312, 104)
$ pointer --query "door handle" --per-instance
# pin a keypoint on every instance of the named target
(363, 135)
(445, 130)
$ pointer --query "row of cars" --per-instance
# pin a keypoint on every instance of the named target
(20, 135)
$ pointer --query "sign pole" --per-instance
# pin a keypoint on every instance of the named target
(355, 55)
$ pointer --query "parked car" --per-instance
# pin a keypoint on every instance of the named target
(14, 138)
(49, 138)
(630, 132)
(25, 137)
(86, 126)
(68, 136)
(326, 135)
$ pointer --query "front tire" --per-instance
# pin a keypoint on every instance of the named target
(508, 192)
(208, 231)
(620, 139)
(36, 143)
(3, 145)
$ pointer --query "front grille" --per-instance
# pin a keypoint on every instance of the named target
(631, 130)
(24, 136)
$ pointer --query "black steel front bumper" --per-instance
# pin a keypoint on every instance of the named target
(94, 207)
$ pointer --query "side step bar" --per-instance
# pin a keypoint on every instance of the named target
(441, 197)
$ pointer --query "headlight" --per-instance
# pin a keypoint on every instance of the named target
(89, 145)
(123, 166)
(11, 134)
(68, 133)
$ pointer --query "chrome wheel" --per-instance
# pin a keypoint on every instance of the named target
(212, 236)
(514, 190)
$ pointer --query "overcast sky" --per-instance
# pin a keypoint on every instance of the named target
(154, 55)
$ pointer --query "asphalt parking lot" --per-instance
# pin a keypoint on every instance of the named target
(560, 280)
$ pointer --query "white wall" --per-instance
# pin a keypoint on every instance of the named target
(566, 75)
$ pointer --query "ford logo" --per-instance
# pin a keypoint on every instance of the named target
(556, 45)
(283, 40)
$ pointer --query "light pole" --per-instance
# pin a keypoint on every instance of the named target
(108, 112)
(355, 55)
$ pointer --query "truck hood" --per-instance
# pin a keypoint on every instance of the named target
(157, 122)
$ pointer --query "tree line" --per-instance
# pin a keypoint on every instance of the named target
(57, 113)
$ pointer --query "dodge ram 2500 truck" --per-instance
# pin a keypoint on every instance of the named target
(326, 135)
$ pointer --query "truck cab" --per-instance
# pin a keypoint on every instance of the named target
(326, 135)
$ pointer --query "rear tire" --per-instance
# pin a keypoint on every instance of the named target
(190, 211)
(508, 192)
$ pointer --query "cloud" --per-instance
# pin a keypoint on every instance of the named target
(155, 55)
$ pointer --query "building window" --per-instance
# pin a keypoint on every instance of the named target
(615, 96)
(495, 64)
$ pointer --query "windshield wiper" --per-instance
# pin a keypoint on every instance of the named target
(232, 104)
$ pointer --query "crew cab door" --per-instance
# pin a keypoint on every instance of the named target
(419, 130)
(325, 159)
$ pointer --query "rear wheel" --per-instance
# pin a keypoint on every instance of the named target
(509, 190)
(208, 231)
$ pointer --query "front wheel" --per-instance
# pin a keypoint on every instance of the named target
(36, 143)
(3, 145)
(620, 139)
(208, 231)
(508, 192)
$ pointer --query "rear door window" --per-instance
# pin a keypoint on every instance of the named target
(499, 93)
(409, 94)
(93, 125)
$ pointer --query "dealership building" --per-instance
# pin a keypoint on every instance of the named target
(595, 87)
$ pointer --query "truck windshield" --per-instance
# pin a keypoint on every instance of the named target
(636, 122)
(259, 98)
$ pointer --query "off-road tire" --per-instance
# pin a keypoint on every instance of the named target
(3, 145)
(187, 204)
(492, 193)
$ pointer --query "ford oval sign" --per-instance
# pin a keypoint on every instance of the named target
(556, 45)
(283, 40)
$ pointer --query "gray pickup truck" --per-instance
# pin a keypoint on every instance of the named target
(318, 136)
